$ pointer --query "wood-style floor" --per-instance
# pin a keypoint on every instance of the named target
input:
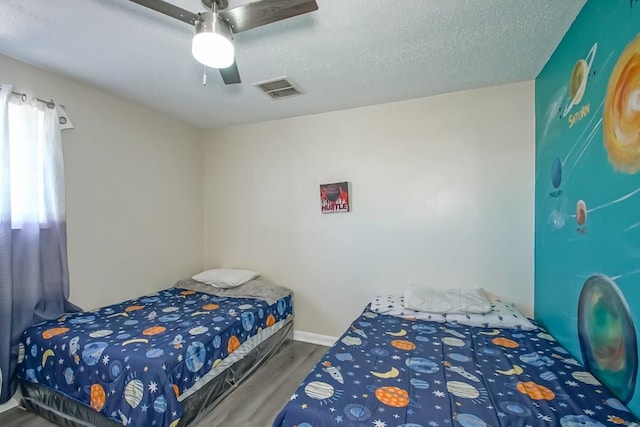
(255, 403)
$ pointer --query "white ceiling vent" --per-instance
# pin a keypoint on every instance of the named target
(278, 88)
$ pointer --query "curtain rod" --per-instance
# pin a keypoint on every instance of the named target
(23, 96)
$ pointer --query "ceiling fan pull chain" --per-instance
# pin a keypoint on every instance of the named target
(204, 75)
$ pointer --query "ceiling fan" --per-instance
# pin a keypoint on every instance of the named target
(211, 43)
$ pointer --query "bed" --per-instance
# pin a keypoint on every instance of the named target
(163, 359)
(388, 371)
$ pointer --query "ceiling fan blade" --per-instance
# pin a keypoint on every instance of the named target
(230, 75)
(264, 12)
(169, 10)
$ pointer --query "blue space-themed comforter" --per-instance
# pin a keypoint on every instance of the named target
(391, 372)
(132, 361)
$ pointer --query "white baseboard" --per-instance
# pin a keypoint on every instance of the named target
(312, 338)
(12, 403)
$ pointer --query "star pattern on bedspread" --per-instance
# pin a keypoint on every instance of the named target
(388, 371)
(132, 361)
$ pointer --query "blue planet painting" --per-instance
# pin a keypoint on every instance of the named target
(607, 336)
(556, 173)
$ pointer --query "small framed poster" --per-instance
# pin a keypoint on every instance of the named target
(334, 197)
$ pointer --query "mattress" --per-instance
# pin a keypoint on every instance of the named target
(388, 372)
(135, 362)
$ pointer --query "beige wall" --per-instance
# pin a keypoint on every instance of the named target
(134, 190)
(441, 195)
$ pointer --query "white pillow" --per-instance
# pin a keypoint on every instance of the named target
(393, 305)
(225, 277)
(446, 301)
(502, 315)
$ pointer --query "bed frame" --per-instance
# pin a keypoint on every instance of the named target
(66, 412)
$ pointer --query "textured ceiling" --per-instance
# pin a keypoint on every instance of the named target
(349, 53)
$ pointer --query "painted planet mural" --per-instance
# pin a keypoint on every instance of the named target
(556, 173)
(607, 336)
(621, 115)
(579, 78)
(581, 212)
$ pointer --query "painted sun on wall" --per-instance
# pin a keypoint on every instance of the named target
(587, 266)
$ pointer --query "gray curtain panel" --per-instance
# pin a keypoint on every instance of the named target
(34, 278)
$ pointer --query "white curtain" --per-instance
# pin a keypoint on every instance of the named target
(34, 282)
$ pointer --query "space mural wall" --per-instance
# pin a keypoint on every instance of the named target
(587, 266)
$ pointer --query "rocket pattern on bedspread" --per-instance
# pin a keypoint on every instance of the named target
(392, 372)
(131, 361)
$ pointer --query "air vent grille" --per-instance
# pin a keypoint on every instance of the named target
(278, 89)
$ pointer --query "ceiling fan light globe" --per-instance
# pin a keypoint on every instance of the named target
(212, 50)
